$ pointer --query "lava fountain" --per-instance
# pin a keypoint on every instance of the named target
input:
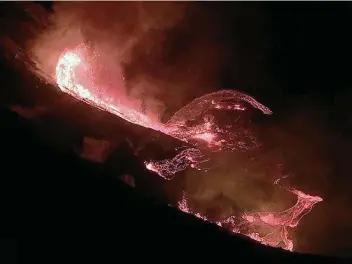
(75, 75)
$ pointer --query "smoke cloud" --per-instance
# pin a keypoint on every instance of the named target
(167, 53)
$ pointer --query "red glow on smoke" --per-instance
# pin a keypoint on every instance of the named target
(75, 76)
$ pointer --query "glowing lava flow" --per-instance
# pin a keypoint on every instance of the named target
(75, 76)
(269, 228)
(168, 168)
(74, 68)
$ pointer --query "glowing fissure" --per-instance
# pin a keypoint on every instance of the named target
(75, 76)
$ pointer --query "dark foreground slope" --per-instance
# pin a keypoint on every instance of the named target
(60, 209)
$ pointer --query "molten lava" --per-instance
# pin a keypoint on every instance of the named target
(167, 169)
(75, 75)
(269, 228)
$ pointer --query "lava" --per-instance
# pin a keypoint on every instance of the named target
(167, 168)
(269, 228)
(75, 76)
(73, 68)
